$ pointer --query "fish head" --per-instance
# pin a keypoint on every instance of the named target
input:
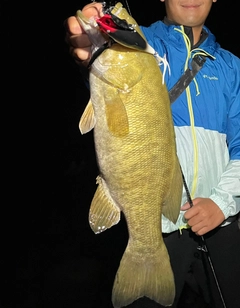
(115, 25)
(97, 37)
(118, 24)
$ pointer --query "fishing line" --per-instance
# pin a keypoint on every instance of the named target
(113, 3)
(203, 246)
(127, 7)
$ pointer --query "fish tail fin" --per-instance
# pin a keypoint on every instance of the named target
(148, 275)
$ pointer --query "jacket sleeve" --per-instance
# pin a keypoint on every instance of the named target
(225, 194)
(229, 185)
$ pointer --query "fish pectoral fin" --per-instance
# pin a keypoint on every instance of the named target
(87, 121)
(172, 204)
(147, 275)
(116, 114)
(104, 213)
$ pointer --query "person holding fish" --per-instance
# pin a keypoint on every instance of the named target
(204, 240)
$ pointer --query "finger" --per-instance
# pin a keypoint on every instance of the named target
(185, 207)
(78, 41)
(195, 221)
(93, 9)
(190, 214)
(197, 227)
(72, 26)
(81, 54)
(202, 231)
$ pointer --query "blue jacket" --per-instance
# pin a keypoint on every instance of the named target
(206, 117)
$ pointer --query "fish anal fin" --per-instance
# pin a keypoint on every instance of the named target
(172, 204)
(147, 275)
(103, 213)
(87, 120)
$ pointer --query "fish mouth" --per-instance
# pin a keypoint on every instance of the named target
(121, 31)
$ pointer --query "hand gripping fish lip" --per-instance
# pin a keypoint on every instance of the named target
(120, 31)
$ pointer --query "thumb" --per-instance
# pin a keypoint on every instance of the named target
(185, 206)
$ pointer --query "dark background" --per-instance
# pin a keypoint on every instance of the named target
(50, 168)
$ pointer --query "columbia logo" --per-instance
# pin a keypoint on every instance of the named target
(211, 78)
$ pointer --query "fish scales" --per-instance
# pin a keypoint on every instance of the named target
(139, 172)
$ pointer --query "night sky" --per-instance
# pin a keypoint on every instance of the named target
(52, 166)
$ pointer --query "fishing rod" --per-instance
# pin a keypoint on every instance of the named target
(203, 247)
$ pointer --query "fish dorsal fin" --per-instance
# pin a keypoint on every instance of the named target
(104, 213)
(87, 121)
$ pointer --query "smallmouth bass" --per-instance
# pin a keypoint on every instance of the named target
(140, 176)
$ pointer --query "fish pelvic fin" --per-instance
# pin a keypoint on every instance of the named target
(87, 120)
(146, 275)
(172, 204)
(104, 213)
